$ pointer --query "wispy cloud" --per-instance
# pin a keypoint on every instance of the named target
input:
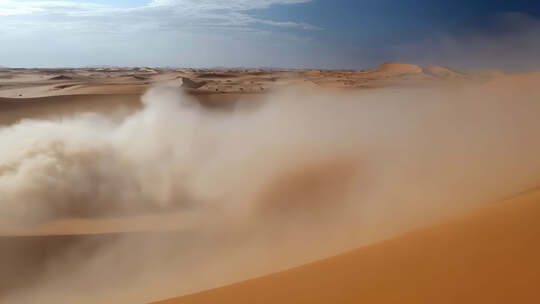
(289, 24)
(223, 4)
(181, 13)
(15, 8)
(160, 32)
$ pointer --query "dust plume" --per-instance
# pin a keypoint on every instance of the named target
(302, 175)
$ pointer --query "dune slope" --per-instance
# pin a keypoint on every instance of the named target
(489, 256)
(13, 110)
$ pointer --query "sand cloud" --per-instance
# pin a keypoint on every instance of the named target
(176, 154)
(301, 176)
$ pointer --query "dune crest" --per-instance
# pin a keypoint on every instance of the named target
(396, 69)
(443, 72)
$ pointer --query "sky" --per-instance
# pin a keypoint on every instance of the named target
(350, 34)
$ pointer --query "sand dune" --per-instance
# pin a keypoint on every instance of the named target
(442, 72)
(26, 259)
(13, 110)
(488, 256)
(395, 69)
(33, 83)
(269, 199)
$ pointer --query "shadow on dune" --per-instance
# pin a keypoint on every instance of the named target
(29, 261)
(14, 110)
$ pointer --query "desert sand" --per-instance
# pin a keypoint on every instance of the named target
(400, 184)
(487, 256)
(28, 83)
(42, 93)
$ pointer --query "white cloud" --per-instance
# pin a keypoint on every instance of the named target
(290, 24)
(162, 32)
(191, 12)
(162, 15)
(13, 8)
(224, 4)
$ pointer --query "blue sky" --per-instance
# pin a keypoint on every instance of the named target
(270, 33)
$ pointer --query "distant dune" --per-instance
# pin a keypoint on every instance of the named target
(489, 256)
(61, 77)
(394, 69)
(33, 83)
(13, 110)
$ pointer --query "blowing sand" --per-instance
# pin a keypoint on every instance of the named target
(131, 186)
